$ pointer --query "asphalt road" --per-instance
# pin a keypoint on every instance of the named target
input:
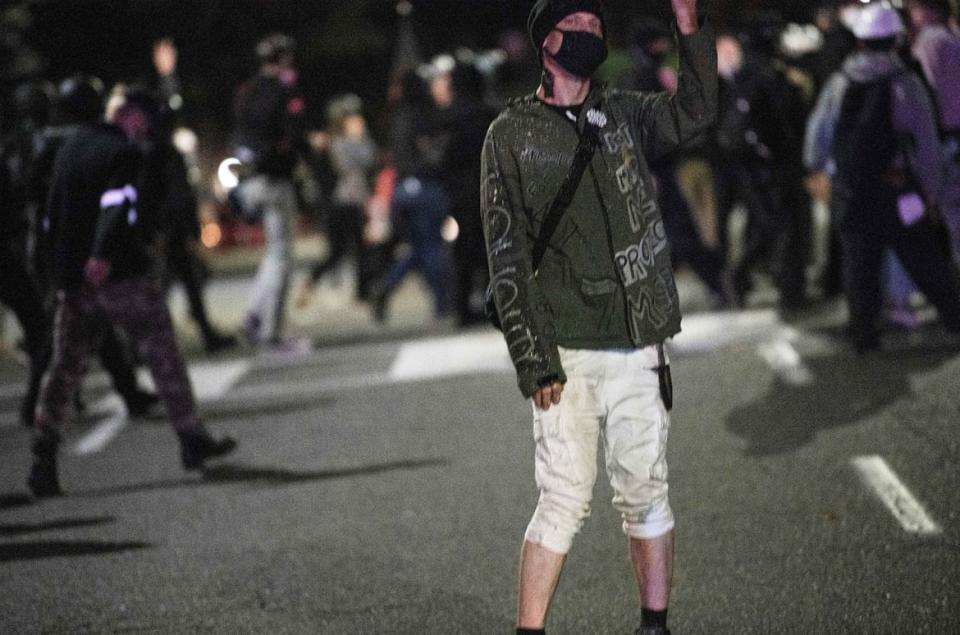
(384, 488)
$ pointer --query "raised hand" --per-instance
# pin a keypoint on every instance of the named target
(686, 13)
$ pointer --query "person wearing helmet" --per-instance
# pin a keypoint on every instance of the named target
(269, 139)
(585, 313)
(873, 130)
(100, 266)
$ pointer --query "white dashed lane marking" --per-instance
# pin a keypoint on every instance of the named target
(883, 481)
(115, 420)
(210, 382)
(783, 358)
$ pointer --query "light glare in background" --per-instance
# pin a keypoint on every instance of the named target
(225, 174)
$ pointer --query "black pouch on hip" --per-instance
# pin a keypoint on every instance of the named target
(666, 380)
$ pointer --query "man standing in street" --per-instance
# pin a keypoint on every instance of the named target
(586, 322)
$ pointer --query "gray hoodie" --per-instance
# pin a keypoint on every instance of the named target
(912, 115)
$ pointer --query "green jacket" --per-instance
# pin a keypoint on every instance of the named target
(606, 281)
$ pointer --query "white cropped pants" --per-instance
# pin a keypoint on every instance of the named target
(613, 395)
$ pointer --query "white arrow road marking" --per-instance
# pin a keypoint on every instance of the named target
(451, 356)
(784, 359)
(878, 476)
(210, 382)
(707, 332)
(116, 417)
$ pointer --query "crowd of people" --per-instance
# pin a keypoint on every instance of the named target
(859, 111)
(806, 114)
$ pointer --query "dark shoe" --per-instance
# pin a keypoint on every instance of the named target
(653, 630)
(26, 417)
(379, 306)
(216, 342)
(141, 403)
(197, 447)
(866, 344)
(251, 330)
(737, 283)
(43, 480)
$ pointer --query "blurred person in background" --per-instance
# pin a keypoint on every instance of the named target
(18, 290)
(353, 157)
(464, 118)
(178, 228)
(101, 209)
(759, 153)
(268, 139)
(937, 48)
(874, 130)
(79, 102)
(834, 19)
(420, 201)
(654, 58)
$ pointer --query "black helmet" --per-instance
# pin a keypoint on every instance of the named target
(274, 46)
(80, 99)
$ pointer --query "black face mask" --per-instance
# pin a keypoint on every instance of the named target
(581, 53)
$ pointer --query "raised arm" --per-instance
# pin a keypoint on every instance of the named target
(666, 121)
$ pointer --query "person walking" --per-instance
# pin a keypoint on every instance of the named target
(874, 131)
(178, 235)
(585, 313)
(420, 202)
(100, 269)
(759, 166)
(937, 48)
(269, 138)
(79, 102)
(353, 156)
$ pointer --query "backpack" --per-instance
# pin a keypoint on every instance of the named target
(864, 148)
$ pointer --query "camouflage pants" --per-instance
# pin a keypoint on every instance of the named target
(138, 307)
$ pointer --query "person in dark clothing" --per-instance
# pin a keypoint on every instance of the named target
(78, 99)
(759, 166)
(352, 155)
(269, 138)
(464, 119)
(179, 228)
(585, 319)
(420, 202)
(100, 269)
(874, 129)
(18, 291)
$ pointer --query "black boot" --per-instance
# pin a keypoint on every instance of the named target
(43, 480)
(141, 403)
(197, 447)
(215, 342)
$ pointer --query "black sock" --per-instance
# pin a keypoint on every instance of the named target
(649, 617)
(530, 631)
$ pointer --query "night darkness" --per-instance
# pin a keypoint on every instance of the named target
(342, 46)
